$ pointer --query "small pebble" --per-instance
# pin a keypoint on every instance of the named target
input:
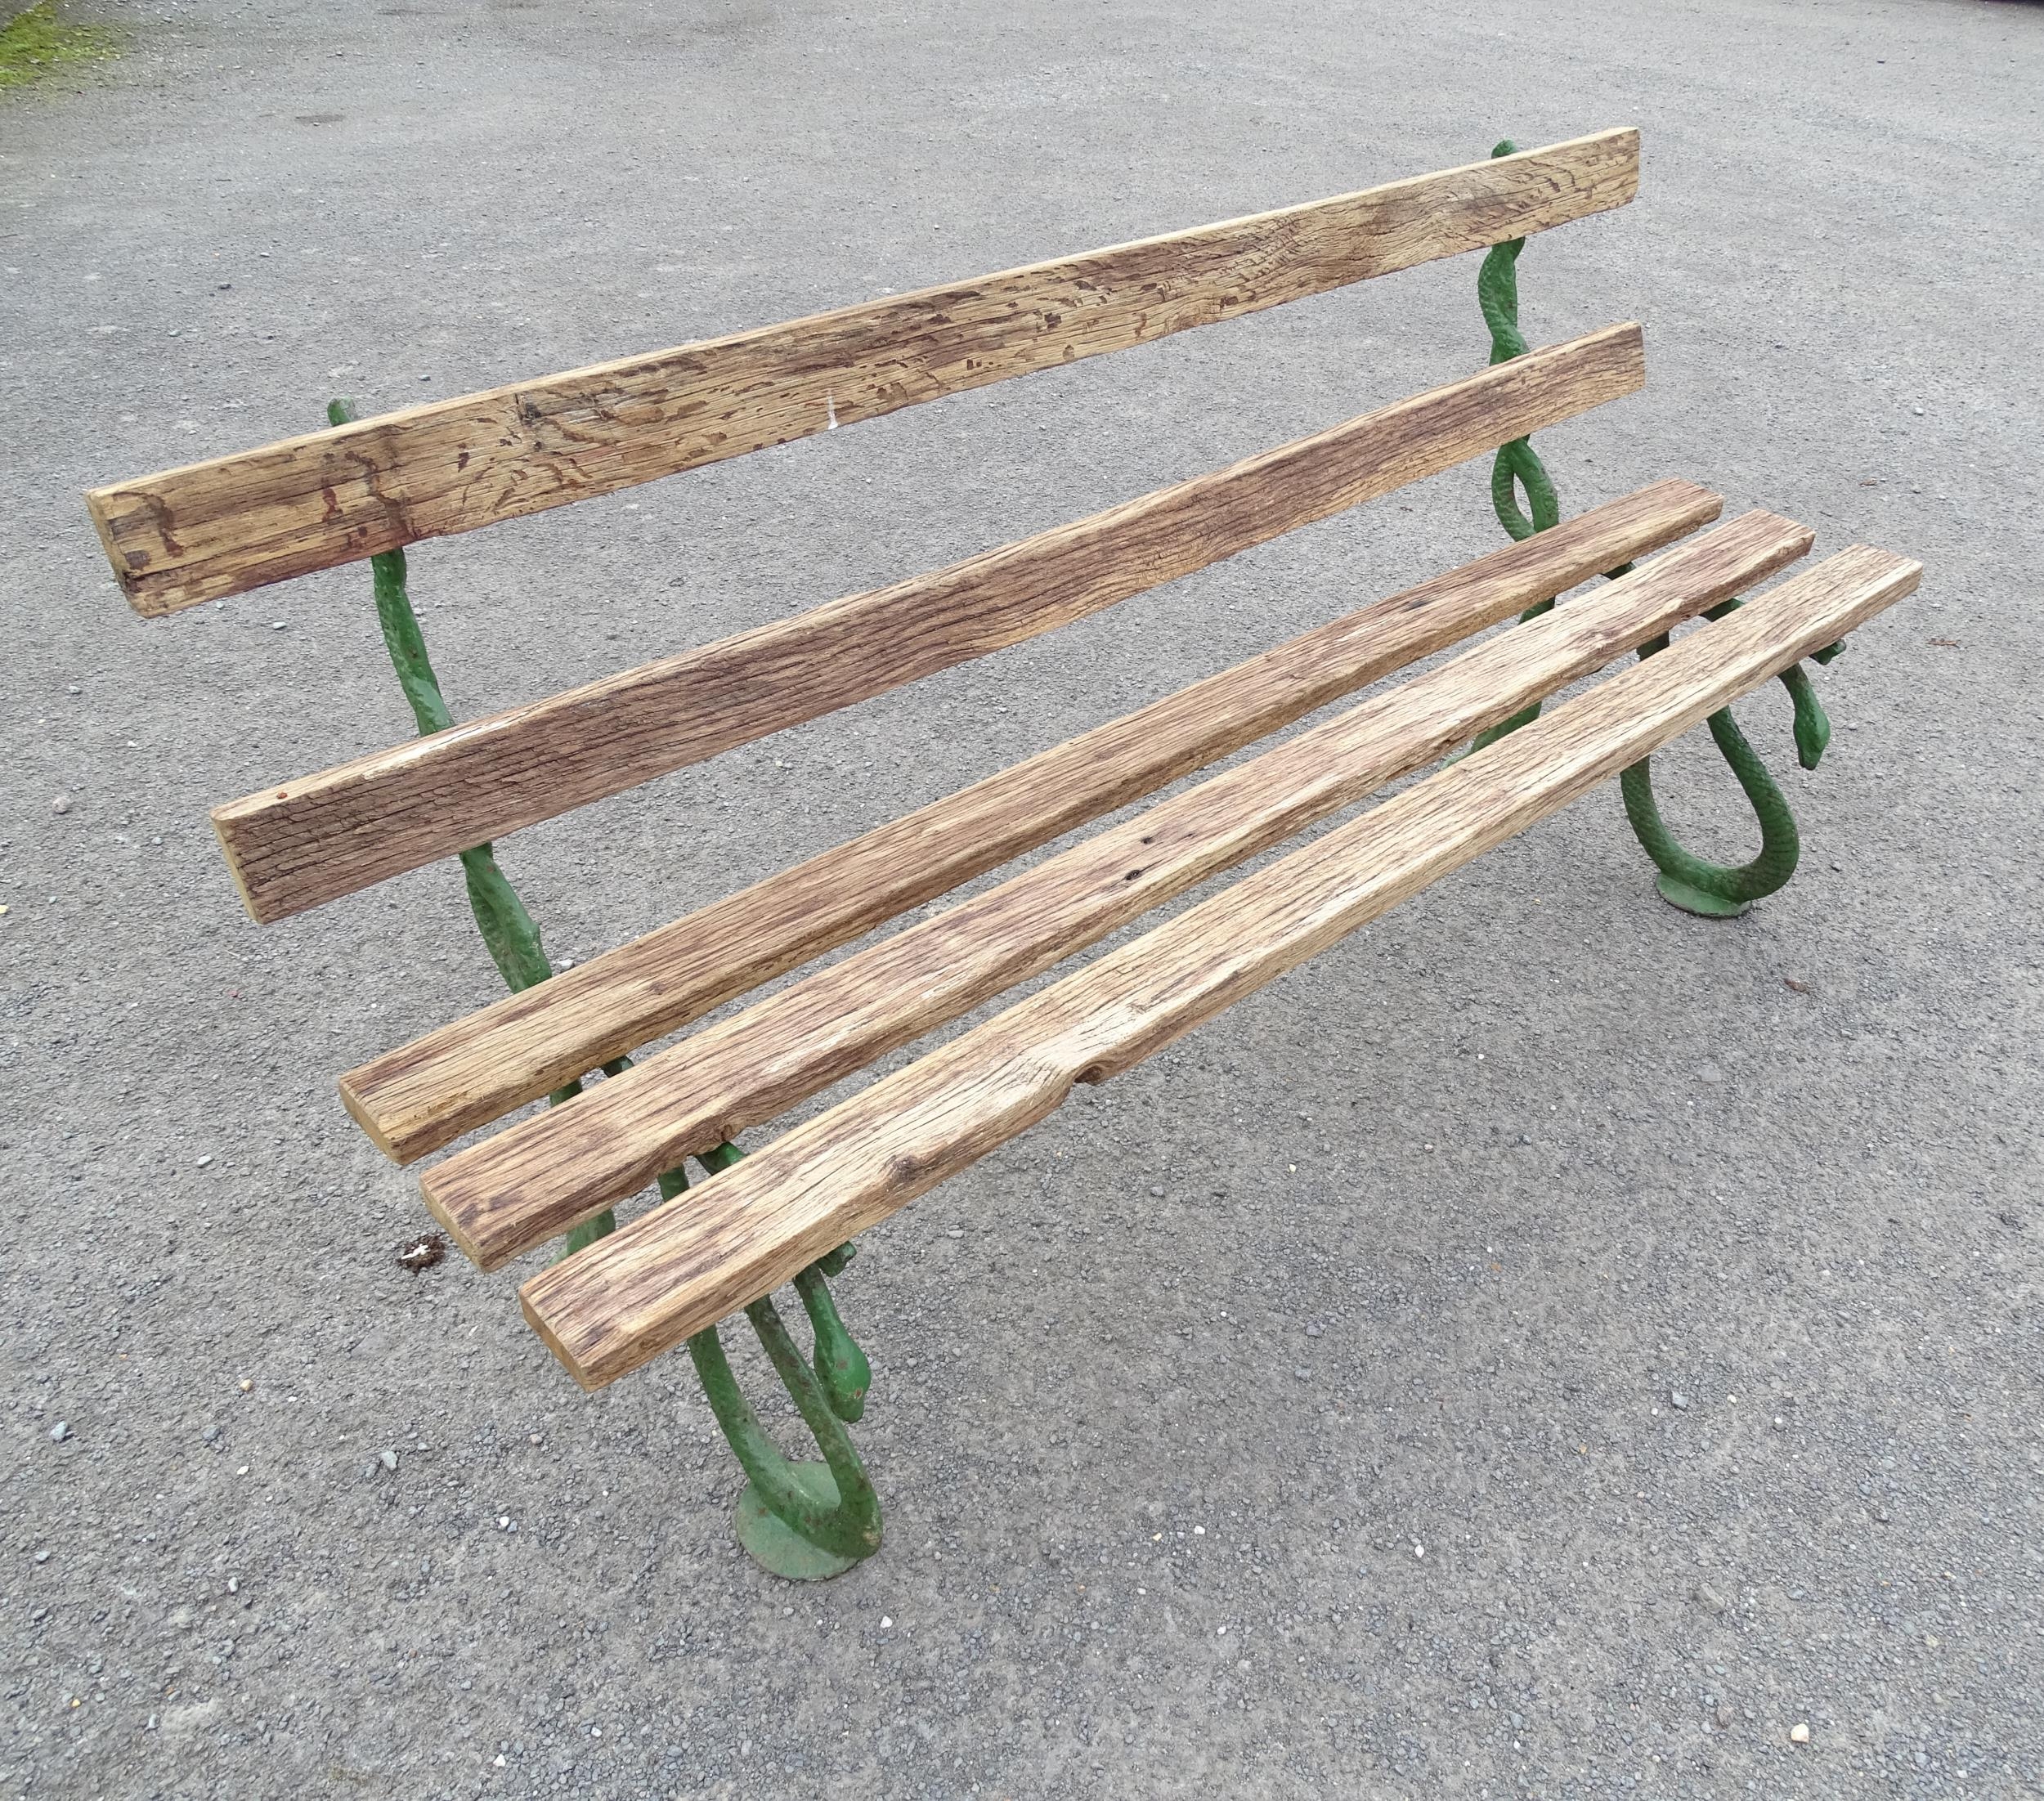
(60, 1432)
(388, 1459)
(1303, 1375)
(72, 688)
(204, 1161)
(280, 625)
(1679, 1402)
(246, 1385)
(1313, 1331)
(1723, 1716)
(62, 804)
(1156, 1191)
(211, 1435)
(886, 1621)
(1799, 1734)
(42, 1557)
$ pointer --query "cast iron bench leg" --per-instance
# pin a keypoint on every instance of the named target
(802, 1521)
(1692, 883)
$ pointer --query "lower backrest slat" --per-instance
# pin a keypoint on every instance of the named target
(740, 1235)
(537, 1180)
(300, 843)
(424, 1095)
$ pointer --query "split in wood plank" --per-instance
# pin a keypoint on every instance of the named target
(235, 522)
(534, 1181)
(301, 843)
(422, 1096)
(747, 1230)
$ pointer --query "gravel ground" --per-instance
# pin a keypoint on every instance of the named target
(1538, 1349)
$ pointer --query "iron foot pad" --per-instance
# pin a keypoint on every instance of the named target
(780, 1548)
(1698, 901)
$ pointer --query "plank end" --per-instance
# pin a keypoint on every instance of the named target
(587, 1380)
(101, 504)
(261, 908)
(355, 1097)
(456, 1225)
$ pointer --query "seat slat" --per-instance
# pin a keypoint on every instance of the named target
(536, 1180)
(746, 1230)
(422, 1096)
(235, 522)
(298, 843)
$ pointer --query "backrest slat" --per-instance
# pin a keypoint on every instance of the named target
(298, 843)
(236, 522)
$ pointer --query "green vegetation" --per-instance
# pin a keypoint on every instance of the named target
(39, 43)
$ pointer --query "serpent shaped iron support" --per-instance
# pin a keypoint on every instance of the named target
(1692, 883)
(806, 1521)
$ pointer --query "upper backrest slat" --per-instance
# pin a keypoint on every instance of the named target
(236, 522)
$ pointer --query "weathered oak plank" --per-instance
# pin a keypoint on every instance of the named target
(422, 1096)
(534, 1181)
(235, 522)
(302, 843)
(741, 1233)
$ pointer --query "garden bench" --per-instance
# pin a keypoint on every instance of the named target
(788, 1212)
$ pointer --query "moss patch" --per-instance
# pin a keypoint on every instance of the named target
(39, 43)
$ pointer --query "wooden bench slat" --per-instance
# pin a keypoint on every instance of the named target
(744, 1232)
(422, 1096)
(535, 1181)
(298, 843)
(235, 522)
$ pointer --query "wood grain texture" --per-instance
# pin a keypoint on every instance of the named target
(535, 1181)
(301, 843)
(235, 522)
(421, 1096)
(744, 1232)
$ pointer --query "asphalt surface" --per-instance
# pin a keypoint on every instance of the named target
(1296, 1416)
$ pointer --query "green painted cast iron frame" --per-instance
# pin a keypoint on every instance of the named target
(1692, 883)
(804, 1520)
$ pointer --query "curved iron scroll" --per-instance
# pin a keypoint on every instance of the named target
(1689, 881)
